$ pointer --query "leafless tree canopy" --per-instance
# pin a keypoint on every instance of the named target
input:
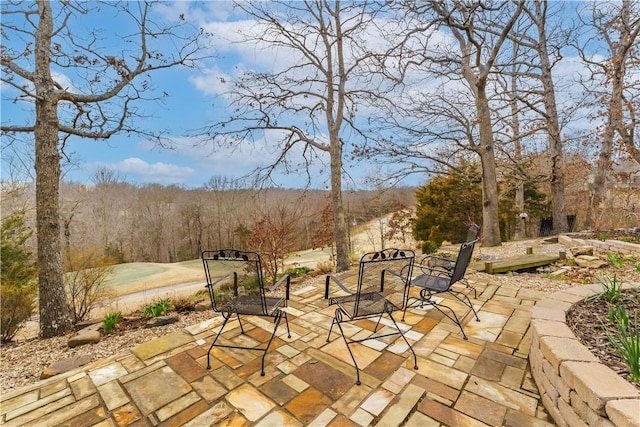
(309, 104)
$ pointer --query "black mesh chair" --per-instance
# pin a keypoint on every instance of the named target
(380, 290)
(446, 265)
(236, 287)
(432, 281)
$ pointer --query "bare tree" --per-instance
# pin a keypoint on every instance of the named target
(479, 31)
(308, 105)
(617, 87)
(40, 43)
(274, 233)
(521, 231)
(479, 52)
(104, 179)
(544, 55)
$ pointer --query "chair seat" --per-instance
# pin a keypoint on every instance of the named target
(427, 281)
(254, 305)
(369, 304)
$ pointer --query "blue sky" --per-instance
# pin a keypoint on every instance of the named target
(192, 94)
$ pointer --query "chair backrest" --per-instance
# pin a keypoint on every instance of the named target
(463, 261)
(472, 232)
(386, 272)
(231, 273)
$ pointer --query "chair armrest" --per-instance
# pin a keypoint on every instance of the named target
(437, 261)
(436, 265)
(331, 278)
(286, 277)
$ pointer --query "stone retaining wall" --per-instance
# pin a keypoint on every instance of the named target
(576, 389)
(618, 246)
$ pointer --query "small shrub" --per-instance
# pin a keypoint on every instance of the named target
(186, 304)
(561, 277)
(158, 308)
(110, 321)
(297, 271)
(223, 295)
(183, 305)
(18, 303)
(630, 239)
(85, 280)
(429, 247)
(18, 272)
(250, 285)
(571, 262)
(324, 267)
(618, 314)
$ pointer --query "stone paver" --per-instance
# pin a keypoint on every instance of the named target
(484, 380)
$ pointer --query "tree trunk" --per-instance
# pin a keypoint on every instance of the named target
(343, 262)
(54, 312)
(490, 219)
(553, 127)
(521, 222)
(597, 195)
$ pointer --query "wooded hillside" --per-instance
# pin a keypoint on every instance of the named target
(155, 223)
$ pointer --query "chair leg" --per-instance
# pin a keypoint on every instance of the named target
(344, 337)
(275, 329)
(475, 291)
(377, 324)
(468, 302)
(453, 317)
(335, 320)
(405, 300)
(240, 322)
(415, 359)
(226, 319)
(465, 282)
(286, 320)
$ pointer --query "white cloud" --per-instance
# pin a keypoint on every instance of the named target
(212, 81)
(138, 170)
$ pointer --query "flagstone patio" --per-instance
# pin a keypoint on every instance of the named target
(485, 380)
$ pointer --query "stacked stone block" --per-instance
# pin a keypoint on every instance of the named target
(576, 389)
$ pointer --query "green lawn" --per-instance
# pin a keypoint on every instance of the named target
(139, 276)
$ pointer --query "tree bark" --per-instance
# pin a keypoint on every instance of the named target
(54, 312)
(490, 219)
(521, 224)
(476, 67)
(553, 126)
(341, 231)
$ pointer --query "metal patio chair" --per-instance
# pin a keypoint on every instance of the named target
(447, 265)
(380, 290)
(236, 288)
(433, 281)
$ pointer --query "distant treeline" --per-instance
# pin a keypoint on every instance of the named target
(155, 223)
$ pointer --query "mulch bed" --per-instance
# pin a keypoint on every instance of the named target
(585, 320)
